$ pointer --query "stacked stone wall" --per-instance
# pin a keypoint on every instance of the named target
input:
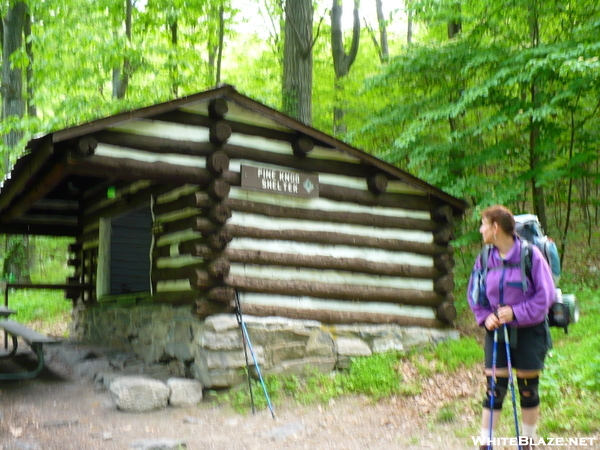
(211, 350)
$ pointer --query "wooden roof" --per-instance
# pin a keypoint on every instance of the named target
(41, 196)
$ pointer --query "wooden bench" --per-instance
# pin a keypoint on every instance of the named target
(34, 339)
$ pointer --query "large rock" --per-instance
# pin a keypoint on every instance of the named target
(159, 444)
(184, 392)
(138, 393)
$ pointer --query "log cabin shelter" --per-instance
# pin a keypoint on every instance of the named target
(216, 197)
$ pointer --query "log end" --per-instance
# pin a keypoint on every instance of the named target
(446, 312)
(86, 146)
(219, 189)
(220, 132)
(218, 162)
(302, 145)
(217, 108)
(377, 183)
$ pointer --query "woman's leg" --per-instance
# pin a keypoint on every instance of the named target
(530, 402)
(500, 386)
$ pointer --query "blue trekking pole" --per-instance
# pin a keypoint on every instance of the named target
(512, 384)
(493, 387)
(246, 341)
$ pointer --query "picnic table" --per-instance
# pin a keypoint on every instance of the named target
(34, 339)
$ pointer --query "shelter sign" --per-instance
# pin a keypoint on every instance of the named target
(278, 181)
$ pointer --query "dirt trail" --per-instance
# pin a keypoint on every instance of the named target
(63, 409)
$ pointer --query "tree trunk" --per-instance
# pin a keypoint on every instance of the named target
(221, 38)
(13, 102)
(121, 74)
(384, 53)
(342, 61)
(539, 202)
(297, 60)
(31, 109)
(174, 72)
(457, 153)
(409, 22)
(215, 45)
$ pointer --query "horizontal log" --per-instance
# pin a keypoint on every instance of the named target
(361, 197)
(330, 238)
(337, 317)
(446, 312)
(313, 165)
(329, 263)
(36, 190)
(121, 204)
(405, 223)
(45, 205)
(196, 247)
(195, 223)
(175, 273)
(325, 290)
(131, 169)
(22, 179)
(154, 144)
(186, 118)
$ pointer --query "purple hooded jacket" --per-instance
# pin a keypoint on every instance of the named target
(504, 287)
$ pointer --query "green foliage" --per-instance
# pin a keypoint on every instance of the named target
(570, 384)
(453, 355)
(49, 307)
(373, 376)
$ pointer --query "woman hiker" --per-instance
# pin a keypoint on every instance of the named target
(524, 313)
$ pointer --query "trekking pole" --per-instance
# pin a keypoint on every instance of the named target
(493, 387)
(238, 316)
(511, 381)
(246, 339)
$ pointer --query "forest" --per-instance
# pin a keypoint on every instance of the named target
(493, 102)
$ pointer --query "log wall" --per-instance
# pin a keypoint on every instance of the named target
(368, 249)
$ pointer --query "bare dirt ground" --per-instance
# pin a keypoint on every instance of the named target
(64, 409)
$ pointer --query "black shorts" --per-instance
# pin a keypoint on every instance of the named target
(528, 347)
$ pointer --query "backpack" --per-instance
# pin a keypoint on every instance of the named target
(564, 309)
(530, 229)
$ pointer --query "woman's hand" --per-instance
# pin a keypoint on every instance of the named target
(492, 322)
(505, 314)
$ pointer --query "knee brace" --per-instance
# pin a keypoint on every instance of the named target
(528, 392)
(500, 388)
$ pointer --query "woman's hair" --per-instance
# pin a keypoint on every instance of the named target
(502, 216)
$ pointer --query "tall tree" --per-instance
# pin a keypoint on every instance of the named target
(342, 61)
(13, 100)
(535, 126)
(381, 44)
(122, 71)
(298, 60)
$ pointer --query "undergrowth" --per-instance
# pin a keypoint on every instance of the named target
(570, 384)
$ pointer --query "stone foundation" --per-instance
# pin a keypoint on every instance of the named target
(212, 350)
